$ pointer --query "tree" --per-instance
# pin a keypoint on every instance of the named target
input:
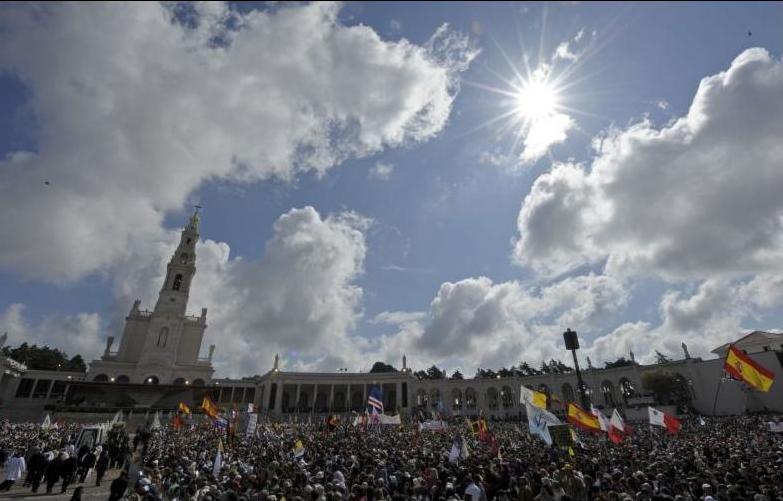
(435, 373)
(526, 369)
(382, 367)
(421, 375)
(44, 358)
(486, 374)
(667, 387)
(506, 372)
(620, 362)
(457, 375)
(660, 358)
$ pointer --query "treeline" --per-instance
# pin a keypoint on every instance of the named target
(44, 358)
(523, 369)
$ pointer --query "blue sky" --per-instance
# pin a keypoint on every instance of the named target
(448, 210)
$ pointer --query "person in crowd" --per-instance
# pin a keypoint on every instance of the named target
(101, 465)
(15, 467)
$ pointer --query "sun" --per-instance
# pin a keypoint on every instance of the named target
(535, 100)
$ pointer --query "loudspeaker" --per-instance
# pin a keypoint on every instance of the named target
(571, 340)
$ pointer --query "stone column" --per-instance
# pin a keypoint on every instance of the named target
(330, 403)
(32, 391)
(49, 390)
(349, 400)
(296, 404)
(398, 390)
(278, 397)
(315, 398)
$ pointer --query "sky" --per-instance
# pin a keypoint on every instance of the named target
(456, 182)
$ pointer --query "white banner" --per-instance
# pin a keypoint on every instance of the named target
(252, 421)
(433, 425)
(775, 427)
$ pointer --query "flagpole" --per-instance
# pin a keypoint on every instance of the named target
(720, 381)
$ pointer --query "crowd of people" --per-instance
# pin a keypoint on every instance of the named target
(725, 459)
(33, 455)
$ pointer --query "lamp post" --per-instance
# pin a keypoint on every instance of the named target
(572, 344)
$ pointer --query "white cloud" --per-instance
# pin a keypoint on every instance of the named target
(381, 171)
(138, 111)
(477, 323)
(543, 134)
(694, 200)
(711, 316)
(301, 297)
(73, 334)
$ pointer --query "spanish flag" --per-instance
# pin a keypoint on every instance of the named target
(741, 366)
(210, 409)
(582, 419)
(184, 408)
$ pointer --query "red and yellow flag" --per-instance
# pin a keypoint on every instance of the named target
(741, 366)
(582, 419)
(210, 408)
(184, 408)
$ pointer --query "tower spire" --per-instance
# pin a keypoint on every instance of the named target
(194, 220)
(173, 295)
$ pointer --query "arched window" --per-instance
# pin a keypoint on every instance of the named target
(163, 336)
(184, 258)
(198, 382)
(123, 379)
(179, 381)
(101, 378)
(151, 380)
(177, 282)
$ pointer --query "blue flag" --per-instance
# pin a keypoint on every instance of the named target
(538, 420)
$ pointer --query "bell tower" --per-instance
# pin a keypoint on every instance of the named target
(173, 297)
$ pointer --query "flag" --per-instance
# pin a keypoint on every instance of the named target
(210, 409)
(251, 408)
(539, 420)
(183, 408)
(177, 422)
(602, 421)
(47, 422)
(331, 422)
(375, 400)
(534, 397)
(156, 421)
(483, 428)
(616, 428)
(221, 422)
(582, 419)
(218, 460)
(117, 418)
(741, 366)
(457, 448)
(658, 418)
(299, 449)
(702, 421)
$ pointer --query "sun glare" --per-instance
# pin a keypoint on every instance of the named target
(535, 100)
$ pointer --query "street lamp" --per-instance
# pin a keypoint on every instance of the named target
(572, 344)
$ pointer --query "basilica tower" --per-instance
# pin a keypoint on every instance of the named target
(162, 346)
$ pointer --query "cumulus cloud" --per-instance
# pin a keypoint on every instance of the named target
(478, 323)
(73, 334)
(381, 171)
(693, 200)
(300, 297)
(694, 203)
(707, 318)
(152, 101)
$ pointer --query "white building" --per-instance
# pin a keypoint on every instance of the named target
(162, 346)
